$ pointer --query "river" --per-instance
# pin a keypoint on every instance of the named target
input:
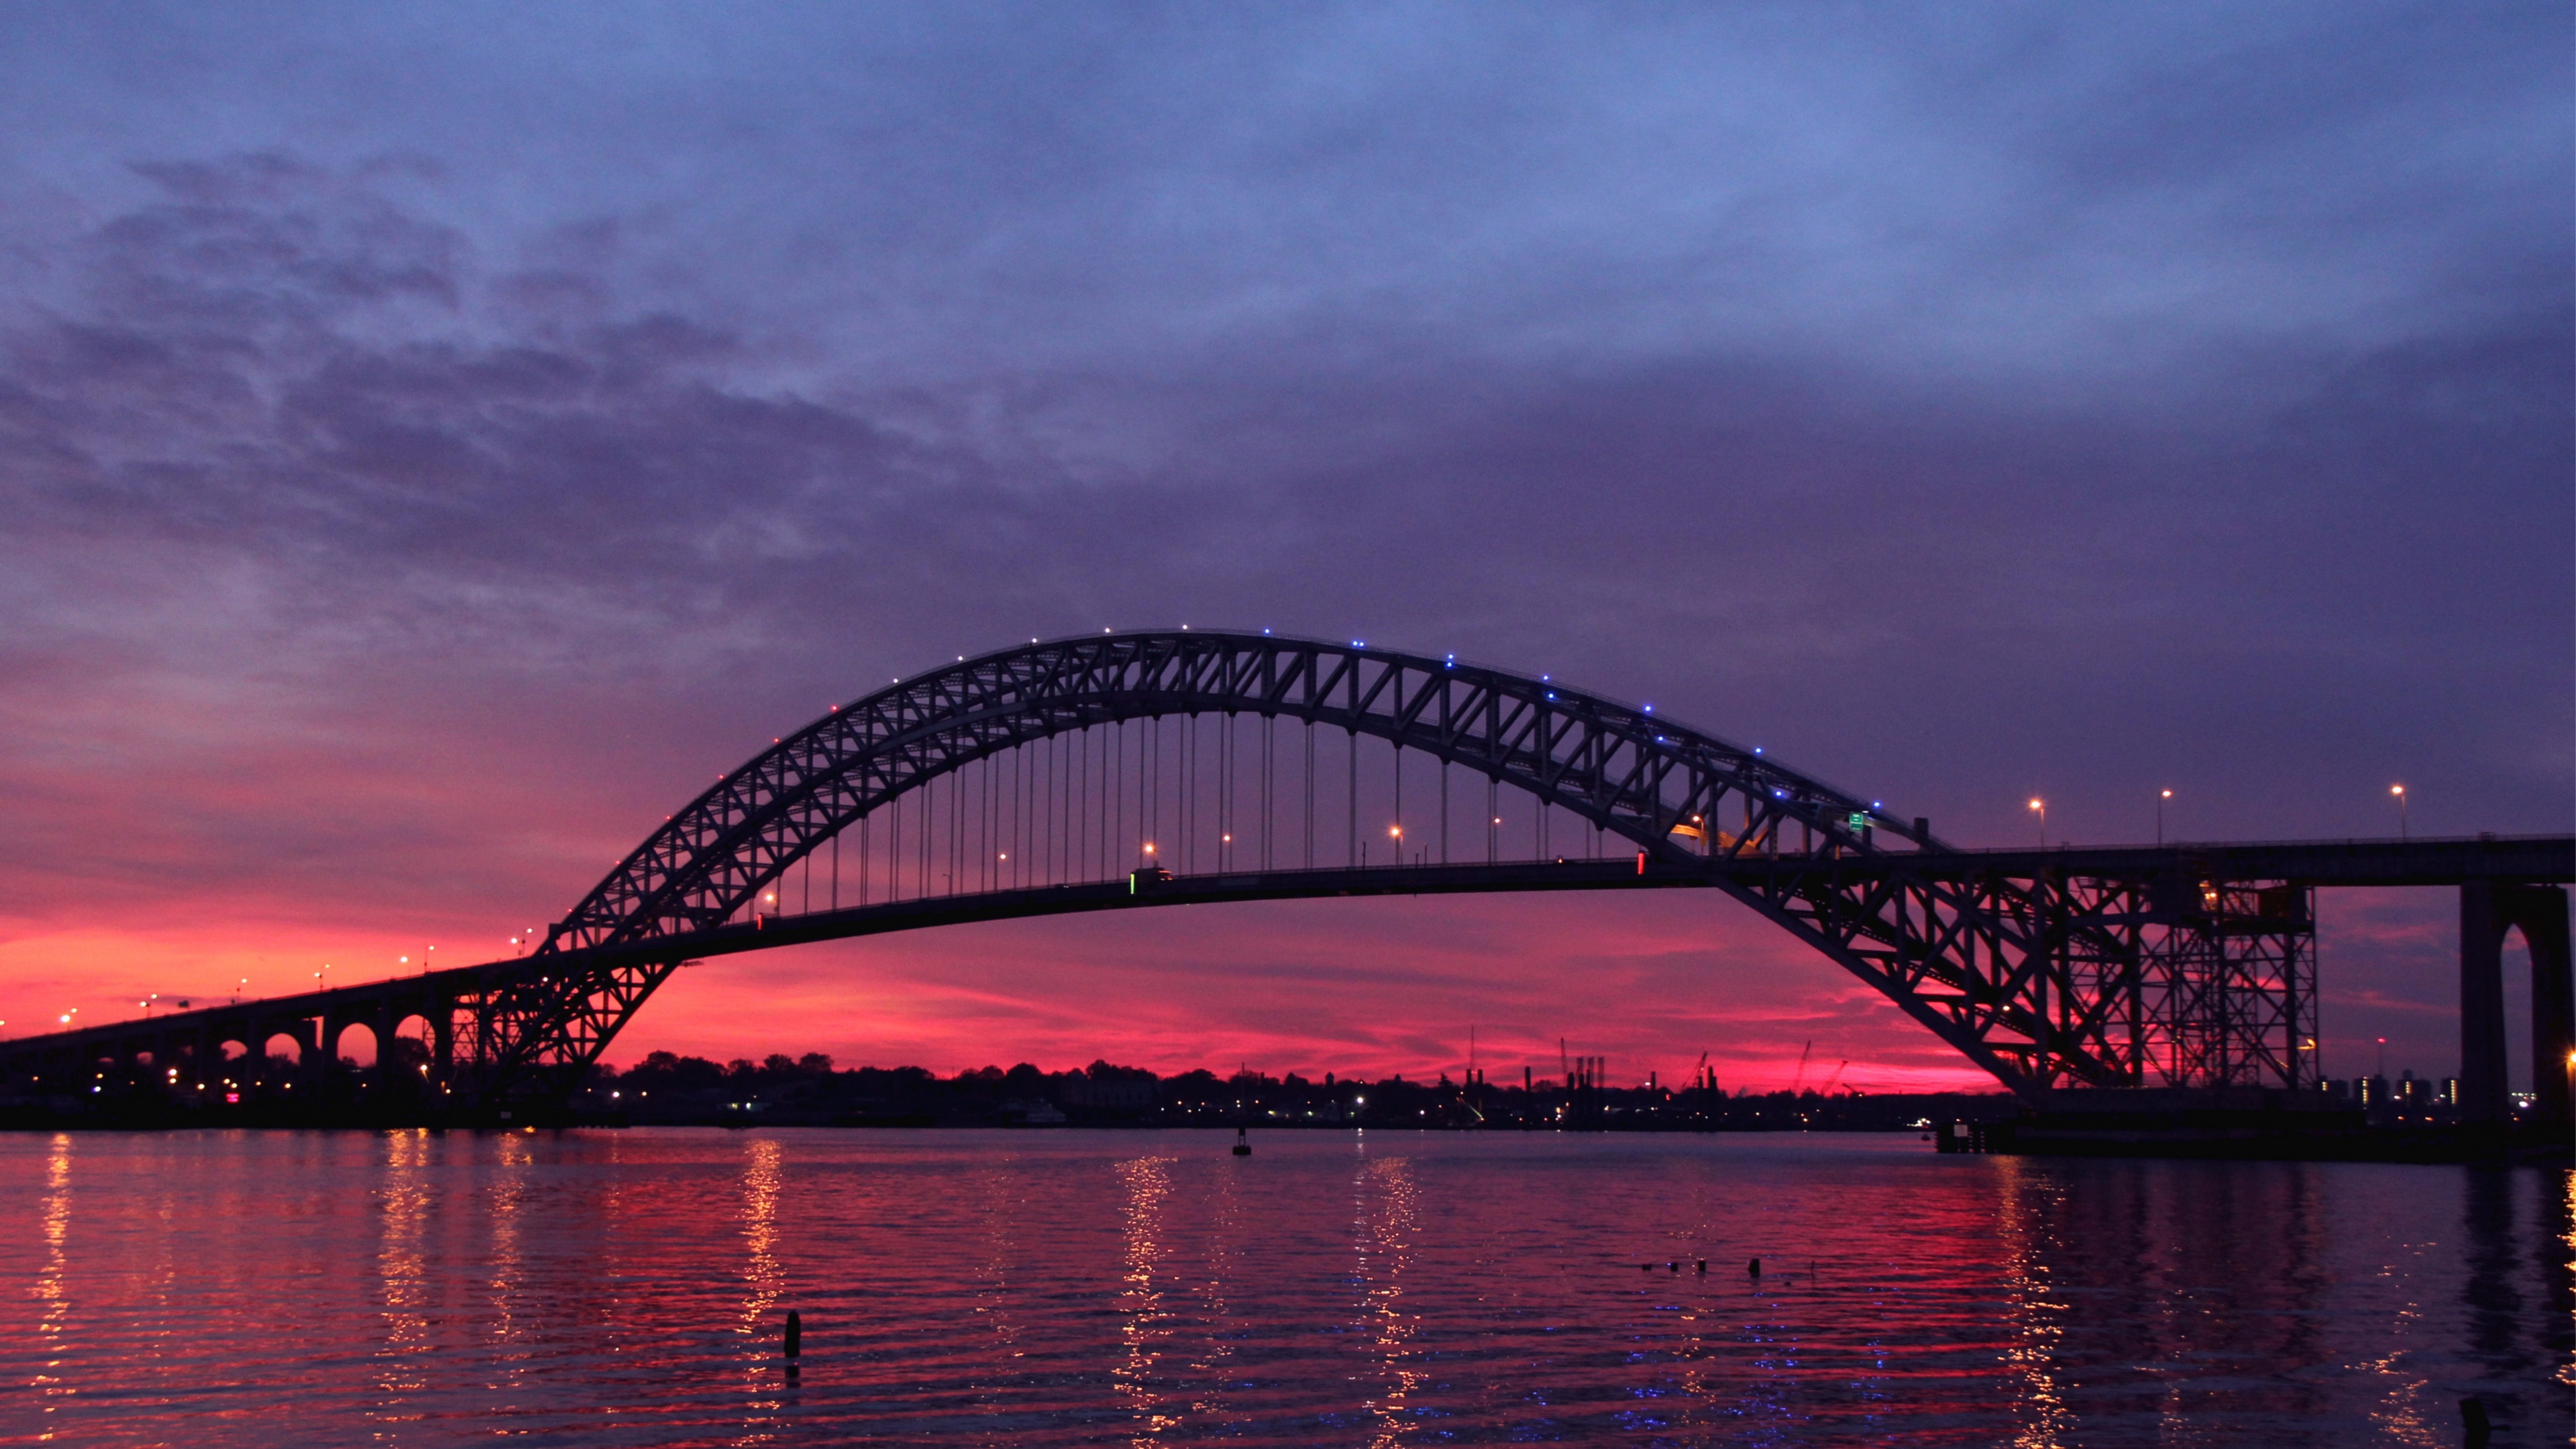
(1080, 1287)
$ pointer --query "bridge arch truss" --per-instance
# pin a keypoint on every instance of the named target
(2041, 982)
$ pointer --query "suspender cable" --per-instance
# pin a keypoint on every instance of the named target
(1354, 811)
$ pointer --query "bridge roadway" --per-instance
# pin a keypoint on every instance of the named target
(2502, 859)
(315, 1018)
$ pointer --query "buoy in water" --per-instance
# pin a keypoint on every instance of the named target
(795, 1334)
(1703, 1266)
(1753, 1269)
(1242, 1143)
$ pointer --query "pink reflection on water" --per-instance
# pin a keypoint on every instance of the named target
(1009, 1288)
(1145, 1326)
(1382, 1254)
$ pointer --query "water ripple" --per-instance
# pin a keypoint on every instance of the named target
(1012, 1289)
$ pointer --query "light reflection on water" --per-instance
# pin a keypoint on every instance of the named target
(1150, 1288)
(2035, 1313)
(51, 1293)
(1145, 1325)
(402, 1268)
(1382, 1252)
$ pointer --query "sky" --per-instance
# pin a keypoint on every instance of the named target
(435, 439)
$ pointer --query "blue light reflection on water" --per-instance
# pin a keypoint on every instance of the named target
(1385, 1289)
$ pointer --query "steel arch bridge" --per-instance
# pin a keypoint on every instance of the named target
(1114, 771)
(2039, 984)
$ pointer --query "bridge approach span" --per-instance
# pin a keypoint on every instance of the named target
(2103, 879)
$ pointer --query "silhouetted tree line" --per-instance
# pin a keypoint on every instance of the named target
(810, 1090)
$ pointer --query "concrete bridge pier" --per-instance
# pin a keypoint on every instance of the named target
(442, 1041)
(2488, 910)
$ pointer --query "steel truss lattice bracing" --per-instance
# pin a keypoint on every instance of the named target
(2217, 978)
(2232, 989)
(1147, 769)
(2006, 970)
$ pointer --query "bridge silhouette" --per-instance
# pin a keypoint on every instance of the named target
(1138, 770)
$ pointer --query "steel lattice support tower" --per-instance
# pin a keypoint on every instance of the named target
(2231, 988)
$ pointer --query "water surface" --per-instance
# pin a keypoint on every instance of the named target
(262, 1288)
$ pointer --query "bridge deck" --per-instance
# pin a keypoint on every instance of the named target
(2547, 859)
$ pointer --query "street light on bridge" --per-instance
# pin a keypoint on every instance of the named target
(2161, 797)
(2042, 807)
(2400, 792)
